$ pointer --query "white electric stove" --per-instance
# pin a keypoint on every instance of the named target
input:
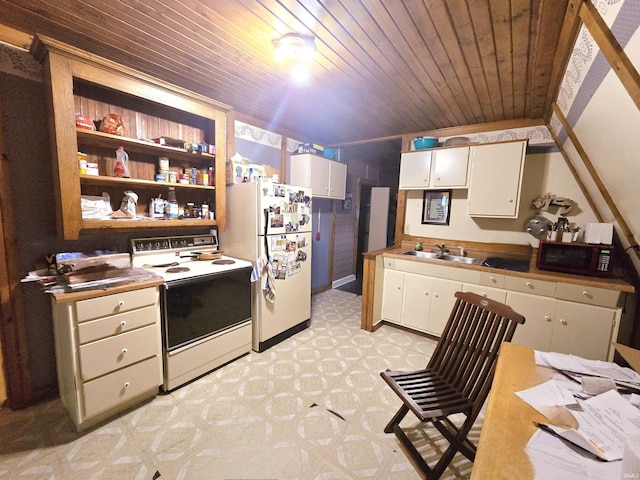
(205, 303)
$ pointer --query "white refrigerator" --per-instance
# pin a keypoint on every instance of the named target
(269, 221)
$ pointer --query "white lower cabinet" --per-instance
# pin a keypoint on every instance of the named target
(419, 302)
(565, 327)
(108, 352)
(559, 317)
(392, 295)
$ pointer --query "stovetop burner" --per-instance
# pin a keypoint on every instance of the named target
(174, 258)
(178, 269)
(223, 261)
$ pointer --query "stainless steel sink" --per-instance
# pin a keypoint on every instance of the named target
(444, 257)
(421, 254)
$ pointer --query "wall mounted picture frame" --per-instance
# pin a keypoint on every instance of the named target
(436, 207)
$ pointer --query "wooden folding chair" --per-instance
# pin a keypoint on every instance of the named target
(457, 378)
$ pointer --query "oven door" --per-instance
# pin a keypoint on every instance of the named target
(197, 307)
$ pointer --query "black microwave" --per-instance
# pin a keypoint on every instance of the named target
(579, 258)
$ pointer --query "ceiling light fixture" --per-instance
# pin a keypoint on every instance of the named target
(294, 46)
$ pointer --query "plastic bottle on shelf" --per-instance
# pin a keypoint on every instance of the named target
(172, 204)
(122, 163)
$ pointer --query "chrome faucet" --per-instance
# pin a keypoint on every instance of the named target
(443, 248)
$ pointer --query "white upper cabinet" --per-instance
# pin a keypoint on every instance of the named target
(415, 170)
(495, 179)
(327, 178)
(449, 167)
(437, 168)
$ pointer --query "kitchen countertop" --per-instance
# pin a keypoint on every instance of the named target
(152, 281)
(534, 273)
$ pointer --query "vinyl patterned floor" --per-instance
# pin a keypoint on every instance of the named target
(311, 407)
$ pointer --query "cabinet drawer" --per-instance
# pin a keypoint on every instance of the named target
(590, 295)
(116, 303)
(118, 387)
(104, 356)
(492, 279)
(496, 294)
(528, 285)
(116, 324)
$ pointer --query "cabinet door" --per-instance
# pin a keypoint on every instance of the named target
(539, 314)
(450, 167)
(416, 301)
(415, 168)
(392, 296)
(583, 330)
(495, 179)
(337, 180)
(442, 301)
(320, 176)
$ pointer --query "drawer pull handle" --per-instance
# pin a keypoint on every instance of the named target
(126, 384)
(123, 323)
(426, 293)
(585, 293)
(484, 294)
(124, 350)
(493, 279)
(563, 322)
(436, 295)
(121, 303)
(529, 284)
(547, 318)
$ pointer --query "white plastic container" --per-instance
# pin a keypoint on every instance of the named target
(122, 163)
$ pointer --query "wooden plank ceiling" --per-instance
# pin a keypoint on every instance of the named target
(382, 67)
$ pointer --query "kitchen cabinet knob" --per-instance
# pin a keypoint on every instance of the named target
(511, 200)
(121, 303)
(124, 350)
(529, 284)
(426, 293)
(484, 294)
(126, 384)
(547, 318)
(399, 287)
(436, 295)
(493, 279)
(563, 322)
(585, 293)
(123, 323)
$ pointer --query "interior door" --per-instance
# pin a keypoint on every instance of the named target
(379, 207)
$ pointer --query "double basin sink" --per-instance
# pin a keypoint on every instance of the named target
(443, 257)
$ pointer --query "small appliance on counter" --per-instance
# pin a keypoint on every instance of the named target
(578, 258)
(598, 233)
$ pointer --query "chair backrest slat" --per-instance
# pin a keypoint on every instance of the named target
(468, 348)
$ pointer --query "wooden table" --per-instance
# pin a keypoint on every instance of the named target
(508, 421)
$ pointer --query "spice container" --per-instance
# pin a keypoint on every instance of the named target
(82, 163)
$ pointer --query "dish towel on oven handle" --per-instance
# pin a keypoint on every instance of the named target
(259, 268)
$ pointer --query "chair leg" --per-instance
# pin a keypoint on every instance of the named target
(414, 454)
(397, 418)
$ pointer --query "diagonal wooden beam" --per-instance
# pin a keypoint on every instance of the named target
(568, 35)
(612, 51)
